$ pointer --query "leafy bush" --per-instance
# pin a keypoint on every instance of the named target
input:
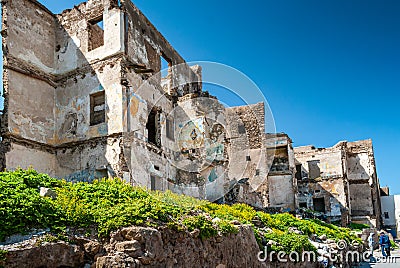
(358, 226)
(109, 204)
(3, 255)
(241, 212)
(393, 245)
(201, 223)
(289, 242)
(21, 206)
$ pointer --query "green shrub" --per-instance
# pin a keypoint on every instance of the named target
(241, 212)
(201, 223)
(3, 255)
(21, 206)
(358, 226)
(109, 204)
(289, 242)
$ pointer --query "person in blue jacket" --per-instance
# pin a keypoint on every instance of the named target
(384, 242)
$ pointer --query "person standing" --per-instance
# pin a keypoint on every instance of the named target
(371, 244)
(384, 242)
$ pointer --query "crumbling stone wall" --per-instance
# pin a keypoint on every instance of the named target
(282, 187)
(28, 83)
(345, 177)
(323, 181)
(264, 170)
(363, 182)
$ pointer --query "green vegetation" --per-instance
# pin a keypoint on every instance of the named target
(358, 226)
(21, 207)
(3, 254)
(109, 204)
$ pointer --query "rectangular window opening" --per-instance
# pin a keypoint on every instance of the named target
(96, 33)
(313, 169)
(319, 204)
(97, 108)
(303, 204)
(166, 64)
(386, 215)
(298, 172)
(153, 127)
(248, 158)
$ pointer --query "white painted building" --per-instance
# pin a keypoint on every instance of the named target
(391, 213)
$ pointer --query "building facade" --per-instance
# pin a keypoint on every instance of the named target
(85, 97)
(391, 213)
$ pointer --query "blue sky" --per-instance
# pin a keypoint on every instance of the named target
(330, 70)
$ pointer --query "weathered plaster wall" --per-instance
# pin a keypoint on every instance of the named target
(73, 34)
(364, 185)
(324, 176)
(29, 20)
(73, 103)
(102, 157)
(24, 88)
(145, 160)
(48, 82)
(252, 153)
(281, 192)
(328, 161)
(26, 157)
(245, 132)
(32, 113)
(281, 183)
(144, 48)
(388, 206)
(333, 192)
(28, 85)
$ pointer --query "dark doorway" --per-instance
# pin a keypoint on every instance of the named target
(319, 204)
(153, 128)
(298, 172)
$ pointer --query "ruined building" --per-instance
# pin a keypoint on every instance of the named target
(278, 187)
(85, 98)
(340, 181)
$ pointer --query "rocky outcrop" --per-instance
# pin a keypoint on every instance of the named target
(138, 247)
(146, 247)
(49, 255)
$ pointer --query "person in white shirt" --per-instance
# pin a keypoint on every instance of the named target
(371, 244)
